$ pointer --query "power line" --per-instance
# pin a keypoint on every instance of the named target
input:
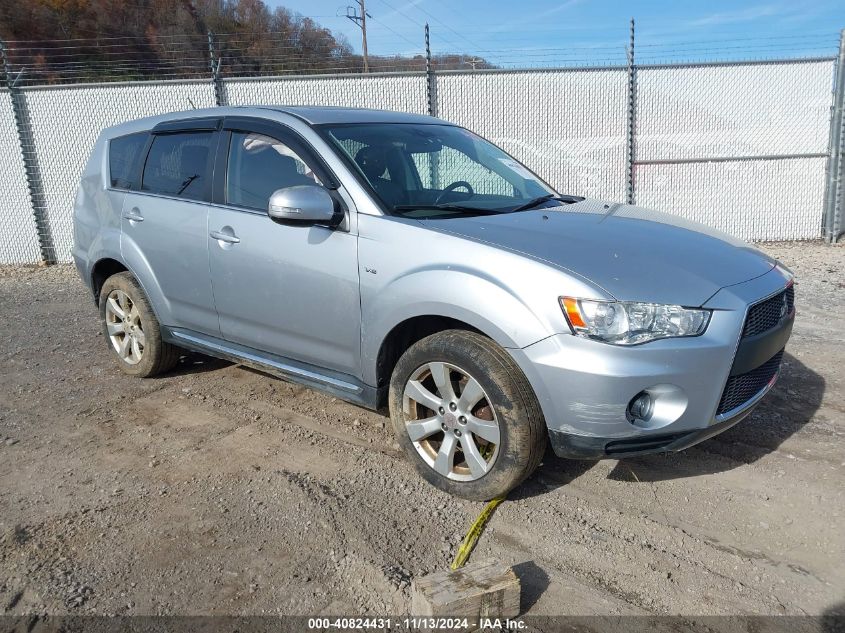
(395, 32)
(436, 19)
(419, 24)
(403, 14)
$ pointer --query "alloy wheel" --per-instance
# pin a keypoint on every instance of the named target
(450, 421)
(123, 324)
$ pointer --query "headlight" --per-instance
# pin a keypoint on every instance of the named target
(630, 323)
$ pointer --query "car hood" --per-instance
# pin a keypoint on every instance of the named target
(635, 254)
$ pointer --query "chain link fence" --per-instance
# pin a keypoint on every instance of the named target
(396, 91)
(744, 147)
(20, 244)
(739, 147)
(64, 124)
(568, 126)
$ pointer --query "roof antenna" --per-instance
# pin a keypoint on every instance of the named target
(192, 103)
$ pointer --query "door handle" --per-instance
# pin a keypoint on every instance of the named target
(225, 237)
(134, 215)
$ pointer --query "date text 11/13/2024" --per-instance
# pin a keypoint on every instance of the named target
(416, 623)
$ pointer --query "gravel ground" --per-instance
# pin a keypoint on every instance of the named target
(219, 490)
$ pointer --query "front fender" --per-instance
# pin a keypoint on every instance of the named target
(409, 270)
(477, 301)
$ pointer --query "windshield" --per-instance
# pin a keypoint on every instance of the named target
(425, 171)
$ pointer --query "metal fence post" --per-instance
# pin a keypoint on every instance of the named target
(631, 122)
(834, 213)
(215, 71)
(431, 96)
(429, 77)
(30, 160)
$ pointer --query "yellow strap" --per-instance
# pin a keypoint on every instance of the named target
(474, 533)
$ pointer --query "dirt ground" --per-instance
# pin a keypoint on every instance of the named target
(219, 490)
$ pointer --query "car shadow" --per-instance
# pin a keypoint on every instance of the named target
(790, 405)
(552, 473)
(195, 363)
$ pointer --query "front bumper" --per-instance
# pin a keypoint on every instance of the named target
(585, 447)
(584, 387)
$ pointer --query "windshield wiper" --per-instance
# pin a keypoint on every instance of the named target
(534, 202)
(187, 182)
(445, 207)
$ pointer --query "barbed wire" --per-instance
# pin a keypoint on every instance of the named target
(247, 54)
(254, 38)
(476, 32)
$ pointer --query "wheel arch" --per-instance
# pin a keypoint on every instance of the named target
(468, 302)
(133, 258)
(102, 270)
(408, 332)
(108, 264)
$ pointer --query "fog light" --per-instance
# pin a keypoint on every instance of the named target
(641, 407)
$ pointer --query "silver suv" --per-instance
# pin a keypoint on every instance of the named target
(395, 259)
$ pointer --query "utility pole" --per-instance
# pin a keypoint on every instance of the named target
(474, 61)
(364, 35)
(361, 20)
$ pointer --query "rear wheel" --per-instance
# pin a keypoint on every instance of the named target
(466, 415)
(132, 330)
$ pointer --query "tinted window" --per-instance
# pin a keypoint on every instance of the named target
(258, 166)
(123, 154)
(176, 164)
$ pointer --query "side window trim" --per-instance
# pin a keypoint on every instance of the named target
(207, 124)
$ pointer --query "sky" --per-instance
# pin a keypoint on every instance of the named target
(537, 33)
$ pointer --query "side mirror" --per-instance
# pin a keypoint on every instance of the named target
(302, 203)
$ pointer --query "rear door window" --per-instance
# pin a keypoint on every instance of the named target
(124, 153)
(177, 165)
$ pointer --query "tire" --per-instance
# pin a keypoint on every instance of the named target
(151, 356)
(451, 359)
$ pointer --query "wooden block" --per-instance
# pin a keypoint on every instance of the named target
(482, 590)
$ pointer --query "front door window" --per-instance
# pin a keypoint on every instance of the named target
(258, 166)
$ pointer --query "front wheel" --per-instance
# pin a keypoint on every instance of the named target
(466, 415)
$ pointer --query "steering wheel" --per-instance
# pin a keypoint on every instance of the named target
(456, 185)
